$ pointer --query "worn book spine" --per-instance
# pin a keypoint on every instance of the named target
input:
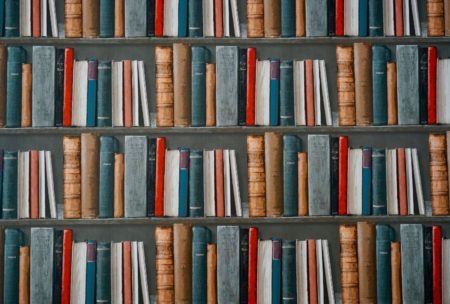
(211, 295)
(59, 87)
(379, 182)
(68, 86)
(428, 264)
(118, 184)
(276, 270)
(218, 18)
(135, 15)
(24, 274)
(291, 147)
(366, 262)
(182, 253)
(108, 148)
(438, 174)
(286, 93)
(255, 18)
(398, 13)
(195, 18)
(376, 18)
(396, 277)
(41, 266)
(242, 83)
(210, 94)
(363, 83)
(384, 236)
(319, 175)
(104, 95)
(196, 183)
(431, 78)
(287, 18)
(423, 85)
(16, 57)
(289, 292)
(408, 84)
(9, 187)
(272, 15)
(182, 18)
(164, 265)
(345, 86)
(349, 263)
(435, 18)
(380, 57)
(392, 118)
(57, 265)
(182, 87)
(226, 85)
(26, 96)
(334, 175)
(12, 18)
(316, 21)
(228, 264)
(73, 25)
(90, 18)
(312, 271)
(92, 93)
(273, 145)
(89, 175)
(412, 254)
(72, 176)
(106, 19)
(256, 176)
(199, 264)
(13, 240)
(119, 18)
(302, 183)
(103, 273)
(366, 181)
(164, 87)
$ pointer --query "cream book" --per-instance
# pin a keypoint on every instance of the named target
(418, 181)
(50, 184)
(409, 181)
(299, 93)
(42, 181)
(319, 267)
(226, 17)
(143, 92)
(143, 274)
(79, 97)
(351, 13)
(208, 182)
(325, 93)
(135, 92)
(391, 182)
(25, 18)
(117, 93)
(317, 96)
(302, 271)
(328, 272)
(264, 274)
(354, 182)
(235, 15)
(53, 19)
(170, 28)
(78, 273)
(227, 181)
(208, 18)
(134, 272)
(388, 18)
(262, 93)
(171, 181)
(116, 273)
(235, 183)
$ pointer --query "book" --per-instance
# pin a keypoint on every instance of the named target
(379, 182)
(119, 19)
(289, 277)
(164, 264)
(396, 272)
(423, 83)
(363, 83)
(334, 175)
(90, 21)
(384, 237)
(392, 117)
(286, 93)
(235, 18)
(68, 86)
(196, 183)
(288, 18)
(272, 21)
(226, 90)
(209, 183)
(243, 264)
(143, 93)
(346, 85)
(143, 277)
(431, 82)
(200, 239)
(366, 261)
(159, 18)
(59, 86)
(220, 18)
(256, 175)
(301, 258)
(376, 18)
(273, 143)
(398, 13)
(211, 276)
(210, 94)
(391, 182)
(317, 96)
(316, 20)
(319, 174)
(302, 183)
(408, 84)
(195, 22)
(327, 268)
(299, 93)
(33, 185)
(23, 184)
(235, 184)
(262, 93)
(182, 81)
(78, 280)
(228, 263)
(366, 181)
(108, 147)
(312, 271)
(291, 147)
(417, 181)
(13, 239)
(428, 263)
(106, 19)
(118, 184)
(25, 18)
(127, 95)
(42, 182)
(435, 18)
(12, 18)
(15, 58)
(208, 18)
(437, 266)
(171, 182)
(264, 276)
(325, 93)
(310, 85)
(276, 270)
(274, 99)
(80, 88)
(66, 265)
(182, 252)
(73, 19)
(380, 57)
(117, 94)
(136, 18)
(164, 87)
(103, 272)
(438, 174)
(363, 10)
(57, 265)
(92, 93)
(351, 21)
(89, 175)
(242, 87)
(349, 263)
(200, 57)
(127, 283)
(3, 77)
(24, 274)
(442, 92)
(183, 186)
(117, 271)
(255, 18)
(9, 187)
(354, 186)
(159, 179)
(219, 182)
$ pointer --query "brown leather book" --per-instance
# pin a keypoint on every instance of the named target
(24, 275)
(211, 274)
(345, 86)
(435, 13)
(36, 18)
(182, 251)
(392, 93)
(349, 263)
(72, 19)
(312, 272)
(127, 94)
(119, 19)
(256, 175)
(273, 161)
(300, 18)
(72, 176)
(164, 87)
(91, 18)
(448, 157)
(367, 262)
(3, 56)
(182, 84)
(255, 18)
(396, 273)
(363, 83)
(127, 277)
(309, 92)
(34, 184)
(26, 96)
(447, 17)
(219, 182)
(164, 265)
(118, 185)
(302, 184)
(210, 94)
(438, 174)
(89, 175)
(272, 16)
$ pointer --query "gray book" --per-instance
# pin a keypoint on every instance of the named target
(411, 236)
(135, 179)
(43, 88)
(316, 18)
(227, 83)
(228, 264)
(135, 18)
(41, 265)
(408, 84)
(319, 174)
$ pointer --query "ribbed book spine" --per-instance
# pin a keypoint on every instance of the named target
(287, 18)
(334, 175)
(183, 183)
(103, 275)
(16, 56)
(59, 87)
(13, 240)
(291, 146)
(91, 265)
(274, 100)
(242, 80)
(12, 18)
(199, 241)
(376, 18)
(92, 93)
(195, 19)
(196, 183)
(385, 234)
(286, 93)
(108, 147)
(289, 278)
(151, 177)
(104, 92)
(106, 18)
(199, 59)
(423, 85)
(367, 181)
(379, 182)
(9, 197)
(380, 57)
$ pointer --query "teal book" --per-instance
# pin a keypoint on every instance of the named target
(274, 99)
(2, 18)
(196, 183)
(109, 145)
(91, 263)
(291, 146)
(287, 18)
(379, 206)
(286, 93)
(182, 18)
(289, 277)
(276, 271)
(363, 10)
(183, 185)
(106, 18)
(14, 238)
(413, 285)
(201, 236)
(380, 56)
(16, 57)
(92, 93)
(408, 84)
(200, 56)
(195, 18)
(104, 98)
(367, 181)
(9, 195)
(12, 18)
(103, 274)
(41, 265)
(385, 235)
(376, 18)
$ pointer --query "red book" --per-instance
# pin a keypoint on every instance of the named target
(220, 201)
(34, 184)
(343, 169)
(36, 18)
(66, 266)
(68, 79)
(159, 18)
(127, 295)
(251, 74)
(159, 176)
(252, 264)
(312, 271)
(398, 11)
(401, 173)
(339, 17)
(437, 261)
(309, 80)
(218, 18)
(127, 95)
(432, 72)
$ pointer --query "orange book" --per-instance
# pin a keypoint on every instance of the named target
(36, 18)
(401, 168)
(34, 184)
(309, 84)
(127, 294)
(220, 201)
(127, 95)
(312, 271)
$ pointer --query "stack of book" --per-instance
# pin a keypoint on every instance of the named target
(54, 268)
(240, 268)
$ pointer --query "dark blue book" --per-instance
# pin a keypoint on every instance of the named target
(331, 18)
(103, 274)
(289, 277)
(243, 266)
(200, 56)
(13, 240)
(242, 82)
(1, 182)
(2, 18)
(200, 239)
(385, 235)
(92, 93)
(182, 18)
(12, 18)
(196, 183)
(9, 195)
(151, 177)
(428, 262)
(287, 18)
(376, 18)
(379, 206)
(183, 186)
(106, 12)
(57, 266)
(274, 102)
(366, 181)
(59, 87)
(286, 93)
(363, 10)
(195, 18)
(150, 18)
(109, 145)
(104, 98)
(291, 147)
(276, 271)
(423, 85)
(91, 261)
(380, 57)
(16, 57)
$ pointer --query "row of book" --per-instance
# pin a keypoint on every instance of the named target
(54, 268)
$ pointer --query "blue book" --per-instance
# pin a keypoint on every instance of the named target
(196, 183)
(200, 56)
(16, 57)
(9, 195)
(380, 57)
(2, 18)
(289, 277)
(274, 101)
(385, 235)
(12, 18)
(367, 181)
(91, 262)
(200, 238)
(103, 273)
(287, 18)
(363, 8)
(376, 18)
(183, 183)
(109, 145)
(291, 146)
(379, 206)
(195, 18)
(13, 240)
(150, 18)
(276, 271)
(106, 12)
(104, 97)
(1, 181)
(92, 93)
(182, 18)
(286, 93)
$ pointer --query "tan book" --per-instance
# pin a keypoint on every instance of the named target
(164, 265)
(435, 14)
(345, 86)
(256, 175)
(118, 184)
(447, 17)
(72, 176)
(302, 184)
(272, 18)
(182, 251)
(24, 275)
(210, 94)
(26, 96)
(89, 175)
(363, 83)
(255, 18)
(3, 56)
(273, 161)
(72, 19)
(119, 19)
(211, 274)
(91, 18)
(182, 84)
(392, 93)
(349, 263)
(164, 86)
(438, 174)
(300, 20)
(367, 262)
(396, 273)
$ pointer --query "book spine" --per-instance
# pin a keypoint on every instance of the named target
(210, 94)
(57, 266)
(376, 18)
(274, 92)
(24, 274)
(159, 178)
(286, 93)
(227, 66)
(159, 18)
(242, 80)
(428, 263)
(59, 87)
(219, 182)
(183, 183)
(363, 83)
(12, 18)
(182, 80)
(339, 17)
(251, 78)
(26, 96)
(316, 20)
(103, 274)
(256, 176)
(289, 278)
(401, 173)
(72, 19)
(302, 183)
(408, 84)
(9, 198)
(346, 85)
(118, 184)
(392, 118)
(218, 18)
(349, 263)
(398, 12)
(182, 252)
(211, 276)
(334, 175)
(135, 18)
(287, 18)
(68, 79)
(72, 176)
(16, 56)
(312, 271)
(343, 173)
(435, 18)
(437, 263)
(92, 93)
(396, 278)
(196, 183)
(423, 85)
(379, 182)
(252, 264)
(13, 241)
(255, 18)
(291, 146)
(90, 18)
(127, 94)
(243, 265)
(108, 148)
(195, 18)
(34, 184)
(106, 13)
(331, 4)
(228, 264)
(319, 175)
(274, 173)
(104, 91)
(91, 265)
(431, 79)
(363, 17)
(384, 236)
(3, 75)
(2, 27)
(199, 260)
(119, 18)
(366, 236)
(380, 57)
(164, 265)
(276, 270)
(150, 18)
(66, 266)
(272, 15)
(164, 86)
(89, 175)
(151, 174)
(182, 18)
(367, 181)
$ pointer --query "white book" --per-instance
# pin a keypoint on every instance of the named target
(170, 28)
(409, 181)
(406, 22)
(208, 181)
(43, 18)
(354, 182)
(25, 18)
(117, 93)
(319, 267)
(418, 182)
(351, 9)
(443, 91)
(416, 19)
(78, 273)
(135, 90)
(235, 182)
(116, 273)
(301, 258)
(235, 15)
(317, 99)
(226, 17)
(143, 274)
(325, 93)
(264, 275)
(208, 18)
(227, 181)
(50, 184)
(445, 270)
(388, 18)
(171, 181)
(328, 273)
(79, 97)
(20, 185)
(391, 181)
(53, 20)
(299, 93)
(42, 196)
(135, 272)
(262, 93)
(143, 93)
(24, 184)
